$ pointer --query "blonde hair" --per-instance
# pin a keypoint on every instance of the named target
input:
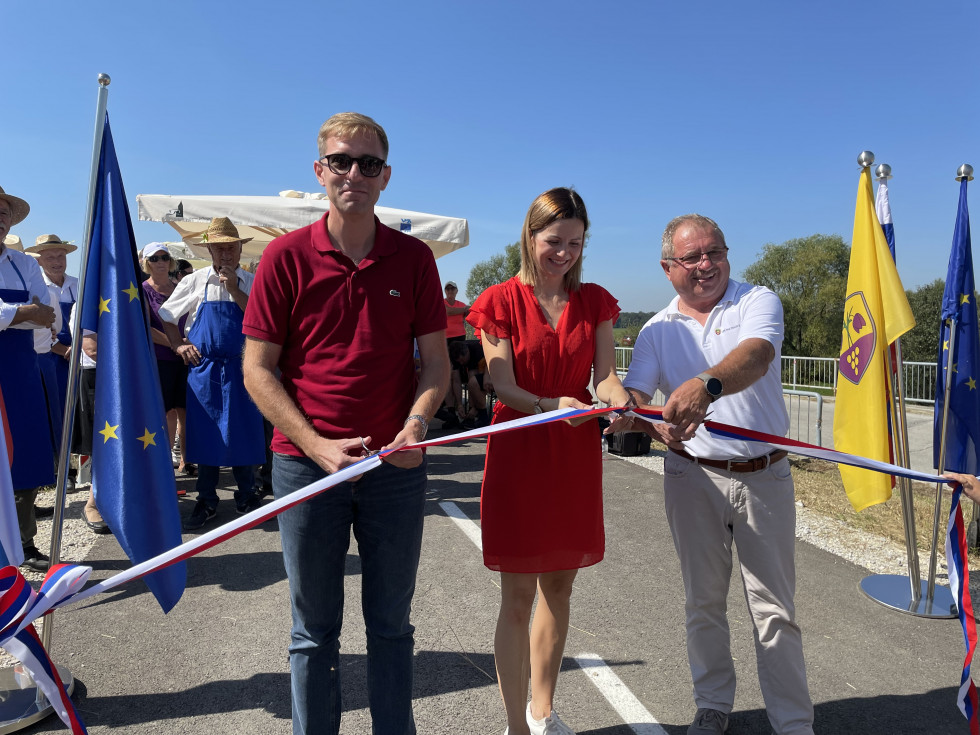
(555, 204)
(350, 125)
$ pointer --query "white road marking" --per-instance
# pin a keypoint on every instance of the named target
(465, 524)
(634, 714)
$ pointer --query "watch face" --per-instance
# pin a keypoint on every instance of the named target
(714, 386)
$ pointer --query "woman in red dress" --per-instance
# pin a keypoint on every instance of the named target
(544, 332)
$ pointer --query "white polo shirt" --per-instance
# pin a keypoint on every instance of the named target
(189, 294)
(673, 348)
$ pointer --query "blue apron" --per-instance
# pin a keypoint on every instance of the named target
(53, 393)
(224, 428)
(20, 381)
(64, 336)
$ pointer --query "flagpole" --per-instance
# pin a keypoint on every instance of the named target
(963, 172)
(76, 341)
(901, 439)
(896, 375)
(930, 590)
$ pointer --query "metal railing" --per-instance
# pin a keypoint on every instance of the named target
(820, 374)
(805, 410)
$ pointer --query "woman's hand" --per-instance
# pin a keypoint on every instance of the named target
(569, 402)
(622, 422)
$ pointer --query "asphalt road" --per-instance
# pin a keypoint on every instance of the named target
(217, 663)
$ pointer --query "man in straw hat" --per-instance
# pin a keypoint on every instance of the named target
(336, 306)
(13, 242)
(24, 306)
(224, 428)
(53, 354)
(51, 253)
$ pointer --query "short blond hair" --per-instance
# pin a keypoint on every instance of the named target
(350, 125)
(555, 204)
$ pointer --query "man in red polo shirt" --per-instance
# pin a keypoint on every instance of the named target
(335, 307)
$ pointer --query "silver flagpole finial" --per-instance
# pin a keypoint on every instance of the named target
(964, 172)
(883, 171)
(866, 159)
(104, 80)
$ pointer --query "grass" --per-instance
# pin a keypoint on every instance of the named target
(819, 488)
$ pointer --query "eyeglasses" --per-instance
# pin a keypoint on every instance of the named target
(340, 163)
(181, 274)
(157, 258)
(690, 261)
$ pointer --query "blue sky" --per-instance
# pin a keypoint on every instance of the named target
(751, 113)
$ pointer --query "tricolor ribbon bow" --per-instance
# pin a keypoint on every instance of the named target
(20, 606)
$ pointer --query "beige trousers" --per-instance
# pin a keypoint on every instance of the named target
(709, 510)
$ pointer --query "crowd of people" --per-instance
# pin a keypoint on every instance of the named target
(37, 316)
(341, 345)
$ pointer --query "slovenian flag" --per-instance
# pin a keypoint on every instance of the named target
(884, 211)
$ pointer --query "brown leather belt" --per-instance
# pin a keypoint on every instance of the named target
(736, 465)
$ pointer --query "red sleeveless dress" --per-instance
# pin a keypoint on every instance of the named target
(541, 501)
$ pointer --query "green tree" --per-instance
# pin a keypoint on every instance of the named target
(920, 344)
(809, 275)
(633, 319)
(497, 269)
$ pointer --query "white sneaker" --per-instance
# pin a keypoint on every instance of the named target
(550, 725)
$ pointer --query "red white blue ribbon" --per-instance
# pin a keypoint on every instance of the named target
(20, 605)
(959, 585)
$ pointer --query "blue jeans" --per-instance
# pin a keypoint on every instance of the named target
(385, 508)
(207, 483)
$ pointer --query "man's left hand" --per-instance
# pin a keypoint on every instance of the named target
(407, 458)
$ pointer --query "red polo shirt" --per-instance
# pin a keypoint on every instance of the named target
(346, 331)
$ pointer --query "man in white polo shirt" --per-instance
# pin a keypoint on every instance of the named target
(716, 347)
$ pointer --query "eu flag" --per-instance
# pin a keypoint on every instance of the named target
(132, 473)
(959, 331)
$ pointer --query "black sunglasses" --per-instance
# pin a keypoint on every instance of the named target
(157, 258)
(340, 163)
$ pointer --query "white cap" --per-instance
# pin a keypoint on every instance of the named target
(153, 248)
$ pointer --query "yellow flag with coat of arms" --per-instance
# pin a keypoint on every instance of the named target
(876, 313)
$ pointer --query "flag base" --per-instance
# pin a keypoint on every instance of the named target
(21, 703)
(895, 591)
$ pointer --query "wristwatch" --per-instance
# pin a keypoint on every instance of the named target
(712, 385)
(537, 405)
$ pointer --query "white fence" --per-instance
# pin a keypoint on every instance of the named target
(820, 374)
